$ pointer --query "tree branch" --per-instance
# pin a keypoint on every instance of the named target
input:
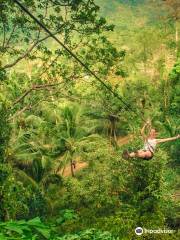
(57, 3)
(10, 36)
(20, 112)
(48, 67)
(35, 87)
(28, 51)
(25, 54)
(30, 106)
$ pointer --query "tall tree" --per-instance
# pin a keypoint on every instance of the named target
(61, 17)
(174, 14)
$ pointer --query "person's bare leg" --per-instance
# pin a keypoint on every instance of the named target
(132, 154)
(139, 153)
(142, 154)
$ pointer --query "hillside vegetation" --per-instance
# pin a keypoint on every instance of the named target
(63, 131)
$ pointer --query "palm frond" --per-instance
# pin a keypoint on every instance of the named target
(26, 179)
(51, 179)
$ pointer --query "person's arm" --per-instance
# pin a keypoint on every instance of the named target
(143, 129)
(163, 140)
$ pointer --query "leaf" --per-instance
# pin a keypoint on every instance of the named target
(40, 227)
(35, 222)
(14, 228)
(60, 220)
(34, 237)
(2, 237)
(44, 232)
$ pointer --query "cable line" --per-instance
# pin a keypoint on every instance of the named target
(74, 56)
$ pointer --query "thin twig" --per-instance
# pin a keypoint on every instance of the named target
(10, 36)
(47, 67)
(25, 54)
(35, 87)
(20, 112)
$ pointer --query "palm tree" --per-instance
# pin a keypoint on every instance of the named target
(108, 120)
(73, 136)
(49, 140)
(30, 154)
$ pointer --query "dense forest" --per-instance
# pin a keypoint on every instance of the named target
(64, 126)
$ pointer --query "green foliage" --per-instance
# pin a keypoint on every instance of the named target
(35, 229)
(172, 111)
(13, 195)
(66, 215)
(89, 234)
(175, 89)
(4, 131)
(32, 229)
(5, 171)
(37, 204)
(149, 186)
(60, 117)
(2, 74)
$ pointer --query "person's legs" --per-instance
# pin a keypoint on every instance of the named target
(139, 154)
(148, 155)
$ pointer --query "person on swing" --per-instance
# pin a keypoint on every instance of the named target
(150, 143)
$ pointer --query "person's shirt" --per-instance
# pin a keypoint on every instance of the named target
(150, 145)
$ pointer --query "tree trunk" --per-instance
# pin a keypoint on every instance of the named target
(113, 136)
(176, 37)
(72, 168)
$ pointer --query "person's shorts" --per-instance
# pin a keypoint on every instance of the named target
(148, 158)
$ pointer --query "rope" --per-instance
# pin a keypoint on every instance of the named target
(129, 108)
